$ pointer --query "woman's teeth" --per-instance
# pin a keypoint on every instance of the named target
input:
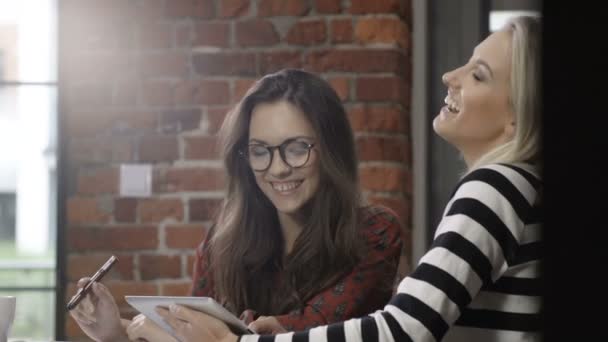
(285, 186)
(452, 105)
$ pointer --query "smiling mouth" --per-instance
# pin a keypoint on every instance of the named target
(286, 187)
(452, 106)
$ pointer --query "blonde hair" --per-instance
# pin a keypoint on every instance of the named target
(525, 96)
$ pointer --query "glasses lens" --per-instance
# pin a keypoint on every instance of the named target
(296, 153)
(259, 157)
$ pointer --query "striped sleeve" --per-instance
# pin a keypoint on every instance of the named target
(475, 243)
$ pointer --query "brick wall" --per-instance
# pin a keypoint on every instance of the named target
(149, 81)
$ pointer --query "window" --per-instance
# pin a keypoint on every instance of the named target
(28, 122)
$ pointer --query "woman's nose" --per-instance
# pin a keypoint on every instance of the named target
(447, 78)
(278, 167)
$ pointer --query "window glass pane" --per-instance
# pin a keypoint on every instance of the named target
(27, 206)
(28, 41)
(28, 141)
(27, 167)
(33, 315)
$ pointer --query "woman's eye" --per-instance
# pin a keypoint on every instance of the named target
(297, 148)
(257, 151)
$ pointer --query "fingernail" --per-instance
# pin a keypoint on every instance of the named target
(173, 308)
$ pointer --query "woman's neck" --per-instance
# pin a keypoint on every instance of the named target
(291, 229)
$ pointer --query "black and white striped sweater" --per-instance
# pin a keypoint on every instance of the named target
(479, 281)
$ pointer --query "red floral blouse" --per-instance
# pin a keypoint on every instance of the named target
(360, 292)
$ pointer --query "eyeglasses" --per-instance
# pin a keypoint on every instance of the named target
(295, 153)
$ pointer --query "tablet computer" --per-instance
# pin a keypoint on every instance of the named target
(147, 304)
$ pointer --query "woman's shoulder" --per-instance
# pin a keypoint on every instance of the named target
(514, 172)
(503, 177)
(379, 219)
(498, 189)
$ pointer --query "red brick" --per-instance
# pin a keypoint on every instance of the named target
(157, 93)
(156, 36)
(158, 148)
(382, 148)
(166, 64)
(124, 94)
(180, 288)
(114, 238)
(382, 89)
(202, 92)
(98, 181)
(190, 266)
(84, 210)
(191, 179)
(309, 32)
(228, 64)
(184, 236)
(272, 8)
(241, 86)
(125, 210)
(342, 86)
(398, 204)
(89, 96)
(215, 118)
(341, 31)
(180, 120)
(212, 34)
(154, 267)
(201, 148)
(87, 123)
(382, 30)
(234, 8)
(204, 9)
(125, 120)
(149, 10)
(158, 210)
(383, 178)
(274, 61)
(376, 6)
(203, 209)
(120, 289)
(108, 65)
(95, 28)
(328, 6)
(115, 121)
(256, 32)
(101, 150)
(86, 265)
(184, 36)
(378, 118)
(386, 61)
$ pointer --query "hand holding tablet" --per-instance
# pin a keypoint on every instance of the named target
(147, 304)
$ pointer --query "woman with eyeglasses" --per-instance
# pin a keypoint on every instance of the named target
(480, 280)
(293, 246)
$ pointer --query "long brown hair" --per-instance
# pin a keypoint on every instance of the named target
(247, 246)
